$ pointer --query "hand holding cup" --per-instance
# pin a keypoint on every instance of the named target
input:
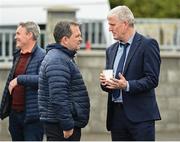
(108, 73)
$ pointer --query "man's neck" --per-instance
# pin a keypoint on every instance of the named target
(129, 34)
(27, 48)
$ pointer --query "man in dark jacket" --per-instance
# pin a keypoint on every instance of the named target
(20, 95)
(63, 98)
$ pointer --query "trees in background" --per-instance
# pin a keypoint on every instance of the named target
(151, 8)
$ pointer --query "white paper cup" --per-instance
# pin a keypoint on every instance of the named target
(108, 74)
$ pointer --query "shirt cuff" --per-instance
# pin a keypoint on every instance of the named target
(127, 88)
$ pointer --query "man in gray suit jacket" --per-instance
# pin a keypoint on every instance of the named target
(132, 106)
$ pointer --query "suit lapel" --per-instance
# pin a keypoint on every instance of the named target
(134, 46)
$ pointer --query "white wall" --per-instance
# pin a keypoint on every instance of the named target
(14, 11)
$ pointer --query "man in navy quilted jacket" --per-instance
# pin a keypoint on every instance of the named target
(63, 98)
(20, 96)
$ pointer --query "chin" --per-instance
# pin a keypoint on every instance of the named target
(115, 37)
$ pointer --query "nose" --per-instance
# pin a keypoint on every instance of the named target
(110, 29)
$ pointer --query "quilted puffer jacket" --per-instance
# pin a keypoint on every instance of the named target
(63, 97)
(30, 81)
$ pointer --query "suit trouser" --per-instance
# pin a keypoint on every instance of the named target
(54, 132)
(125, 130)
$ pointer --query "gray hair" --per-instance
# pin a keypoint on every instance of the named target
(123, 13)
(62, 29)
(31, 27)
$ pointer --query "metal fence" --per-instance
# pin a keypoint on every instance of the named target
(95, 34)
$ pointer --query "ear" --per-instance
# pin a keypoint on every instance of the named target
(64, 40)
(30, 35)
(126, 25)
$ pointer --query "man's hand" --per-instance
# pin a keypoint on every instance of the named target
(68, 133)
(12, 84)
(120, 83)
(102, 79)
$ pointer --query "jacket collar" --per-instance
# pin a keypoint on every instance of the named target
(70, 53)
(134, 46)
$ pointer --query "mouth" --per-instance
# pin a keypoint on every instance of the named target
(17, 40)
(113, 33)
(79, 44)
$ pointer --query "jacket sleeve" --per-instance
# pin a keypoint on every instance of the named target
(28, 80)
(59, 77)
(31, 80)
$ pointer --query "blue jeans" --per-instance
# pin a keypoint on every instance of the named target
(21, 131)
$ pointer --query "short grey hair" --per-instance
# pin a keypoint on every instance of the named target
(63, 28)
(31, 27)
(123, 13)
